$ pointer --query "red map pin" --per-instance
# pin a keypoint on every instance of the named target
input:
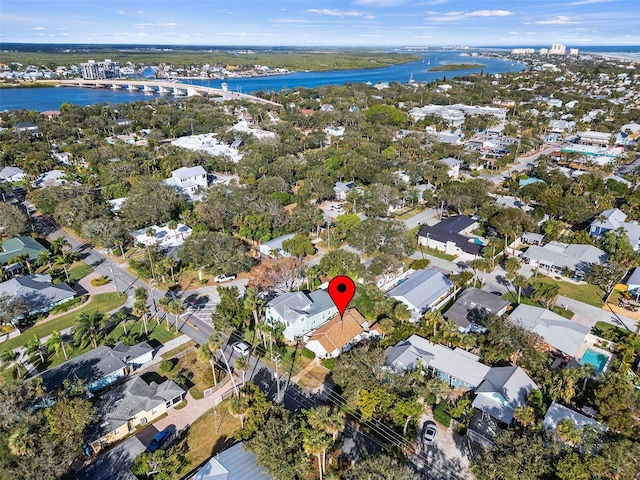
(341, 291)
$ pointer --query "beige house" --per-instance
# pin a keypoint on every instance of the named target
(129, 405)
(339, 334)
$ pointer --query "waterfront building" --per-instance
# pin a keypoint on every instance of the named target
(93, 70)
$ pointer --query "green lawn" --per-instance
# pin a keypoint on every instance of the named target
(609, 332)
(585, 293)
(512, 297)
(439, 254)
(104, 302)
(80, 270)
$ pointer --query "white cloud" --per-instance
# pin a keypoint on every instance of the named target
(139, 11)
(38, 29)
(340, 13)
(457, 15)
(559, 20)
(437, 2)
(162, 25)
(120, 12)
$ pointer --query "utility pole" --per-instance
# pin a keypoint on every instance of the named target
(235, 388)
(277, 360)
(115, 279)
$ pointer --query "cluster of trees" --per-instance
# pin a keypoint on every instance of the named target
(38, 441)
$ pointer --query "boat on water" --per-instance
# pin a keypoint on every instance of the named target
(369, 83)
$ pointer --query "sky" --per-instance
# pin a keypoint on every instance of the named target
(322, 23)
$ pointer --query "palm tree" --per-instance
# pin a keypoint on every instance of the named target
(511, 265)
(45, 257)
(255, 304)
(36, 346)
(480, 264)
(65, 260)
(20, 441)
(122, 317)
(520, 282)
(58, 245)
(525, 415)
(239, 407)
(315, 442)
(170, 263)
(88, 324)
(140, 310)
(56, 342)
(322, 418)
(242, 364)
(9, 356)
(176, 307)
(206, 355)
(163, 304)
(568, 433)
(386, 326)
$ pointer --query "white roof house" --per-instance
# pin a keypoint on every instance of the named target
(188, 180)
(11, 174)
(300, 312)
(422, 290)
(164, 237)
(234, 463)
(611, 220)
(273, 248)
(556, 413)
(502, 391)
(454, 166)
(458, 367)
(207, 143)
(558, 332)
(556, 256)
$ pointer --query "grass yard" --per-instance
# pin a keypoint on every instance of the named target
(178, 350)
(512, 297)
(438, 254)
(609, 332)
(208, 435)
(585, 293)
(197, 373)
(104, 302)
(79, 270)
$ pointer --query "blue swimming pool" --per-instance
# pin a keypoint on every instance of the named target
(597, 359)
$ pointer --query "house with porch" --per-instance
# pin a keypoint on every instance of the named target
(457, 367)
(100, 367)
(300, 312)
(422, 290)
(340, 333)
(450, 236)
(558, 257)
(129, 405)
(557, 332)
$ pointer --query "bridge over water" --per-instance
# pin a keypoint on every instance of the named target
(172, 88)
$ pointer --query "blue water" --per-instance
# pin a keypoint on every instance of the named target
(597, 359)
(42, 99)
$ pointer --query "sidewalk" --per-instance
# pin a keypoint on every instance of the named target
(196, 408)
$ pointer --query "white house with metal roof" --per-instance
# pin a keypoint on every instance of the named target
(234, 463)
(502, 391)
(556, 413)
(557, 256)
(300, 312)
(273, 248)
(457, 367)
(423, 290)
(188, 180)
(558, 332)
(613, 219)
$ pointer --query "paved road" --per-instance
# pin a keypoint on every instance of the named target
(420, 219)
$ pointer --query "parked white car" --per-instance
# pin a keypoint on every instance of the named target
(224, 278)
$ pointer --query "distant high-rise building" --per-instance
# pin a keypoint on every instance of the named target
(558, 49)
(573, 51)
(93, 70)
(522, 51)
(544, 51)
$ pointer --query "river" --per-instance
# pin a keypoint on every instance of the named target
(50, 98)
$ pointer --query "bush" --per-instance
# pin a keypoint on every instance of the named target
(98, 281)
(420, 264)
(66, 306)
(328, 363)
(165, 366)
(306, 353)
(441, 414)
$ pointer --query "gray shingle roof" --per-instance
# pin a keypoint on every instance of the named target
(555, 330)
(94, 364)
(421, 289)
(473, 306)
(37, 290)
(122, 402)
